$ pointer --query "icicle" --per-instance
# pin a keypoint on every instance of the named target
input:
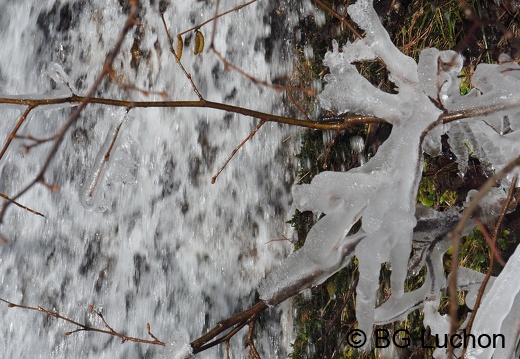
(56, 72)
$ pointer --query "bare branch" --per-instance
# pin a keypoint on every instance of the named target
(86, 328)
(196, 27)
(236, 150)
(236, 322)
(35, 141)
(478, 111)
(482, 288)
(15, 130)
(178, 57)
(249, 339)
(128, 86)
(21, 205)
(456, 236)
(279, 88)
(339, 17)
(338, 123)
(295, 104)
(495, 255)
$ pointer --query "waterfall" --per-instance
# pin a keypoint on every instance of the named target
(144, 238)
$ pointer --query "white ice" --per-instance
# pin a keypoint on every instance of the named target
(178, 348)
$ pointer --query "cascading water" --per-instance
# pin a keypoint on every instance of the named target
(145, 237)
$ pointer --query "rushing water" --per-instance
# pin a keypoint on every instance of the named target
(157, 243)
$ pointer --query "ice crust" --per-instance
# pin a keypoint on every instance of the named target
(178, 348)
(382, 192)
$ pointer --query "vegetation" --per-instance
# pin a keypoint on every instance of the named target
(478, 29)
(326, 312)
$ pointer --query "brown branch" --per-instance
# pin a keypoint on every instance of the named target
(295, 104)
(491, 242)
(236, 150)
(129, 86)
(21, 205)
(214, 29)
(238, 321)
(249, 339)
(338, 124)
(339, 17)
(283, 238)
(36, 141)
(15, 129)
(456, 236)
(60, 135)
(278, 88)
(172, 50)
(482, 288)
(328, 149)
(86, 328)
(478, 111)
(229, 65)
(196, 27)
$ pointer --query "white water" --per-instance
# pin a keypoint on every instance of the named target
(158, 243)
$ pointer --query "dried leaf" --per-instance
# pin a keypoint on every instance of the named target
(199, 42)
(179, 47)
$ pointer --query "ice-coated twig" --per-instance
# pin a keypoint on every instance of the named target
(91, 189)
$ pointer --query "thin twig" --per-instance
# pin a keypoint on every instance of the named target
(295, 104)
(283, 238)
(491, 242)
(214, 178)
(21, 205)
(339, 17)
(278, 88)
(482, 288)
(249, 339)
(196, 27)
(229, 65)
(86, 328)
(128, 86)
(239, 320)
(36, 141)
(329, 148)
(214, 29)
(172, 50)
(15, 129)
(457, 234)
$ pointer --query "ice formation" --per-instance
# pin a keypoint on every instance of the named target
(179, 347)
(382, 193)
